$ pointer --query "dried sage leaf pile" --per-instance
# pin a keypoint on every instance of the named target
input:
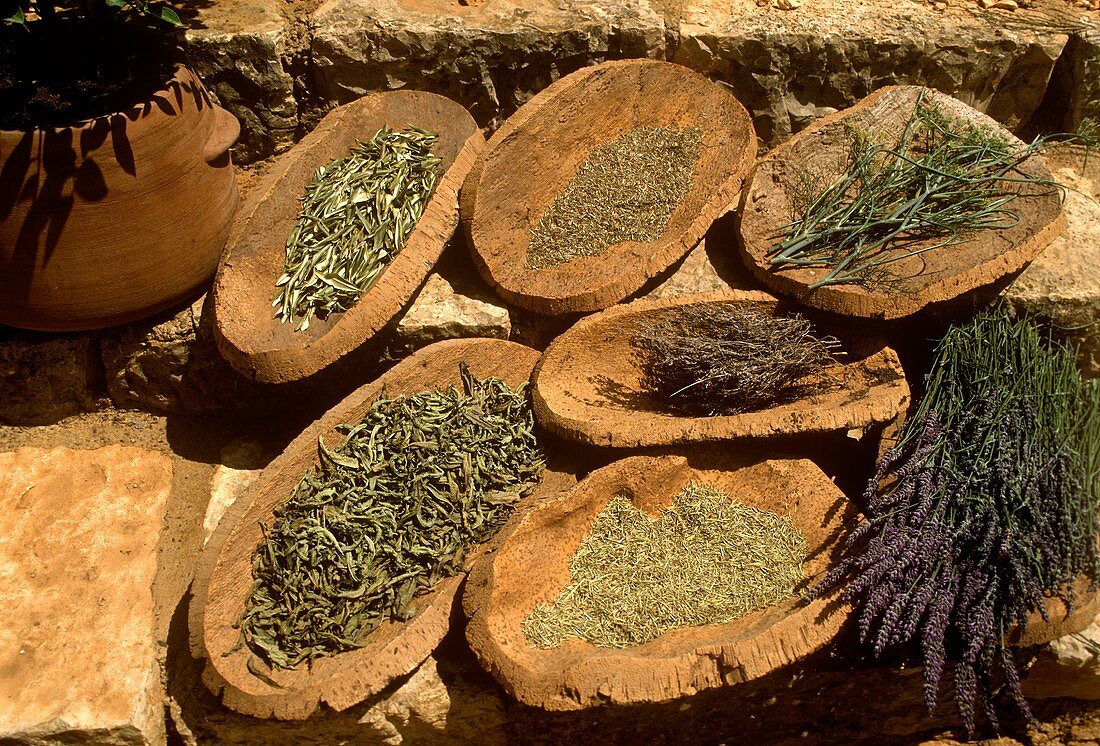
(356, 215)
(394, 510)
(706, 560)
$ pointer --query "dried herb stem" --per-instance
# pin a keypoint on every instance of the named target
(943, 181)
(988, 504)
(724, 358)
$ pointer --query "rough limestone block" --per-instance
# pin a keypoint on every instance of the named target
(788, 68)
(43, 377)
(240, 462)
(79, 658)
(1062, 284)
(170, 364)
(448, 308)
(1068, 667)
(490, 57)
(237, 48)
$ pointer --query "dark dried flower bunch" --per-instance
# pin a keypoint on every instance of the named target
(724, 358)
(987, 505)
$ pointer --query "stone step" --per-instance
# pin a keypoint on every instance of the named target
(81, 642)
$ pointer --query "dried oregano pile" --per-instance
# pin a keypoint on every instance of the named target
(725, 358)
(395, 509)
(940, 183)
(988, 503)
(626, 191)
(356, 215)
(706, 560)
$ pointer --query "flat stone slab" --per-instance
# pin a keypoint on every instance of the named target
(79, 658)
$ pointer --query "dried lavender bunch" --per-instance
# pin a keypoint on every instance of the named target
(987, 505)
(725, 358)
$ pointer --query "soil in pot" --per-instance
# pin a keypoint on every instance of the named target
(62, 70)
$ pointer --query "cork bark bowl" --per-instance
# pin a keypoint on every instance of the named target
(590, 383)
(224, 578)
(248, 334)
(531, 567)
(537, 151)
(934, 277)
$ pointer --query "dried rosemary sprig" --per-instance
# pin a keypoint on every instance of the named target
(626, 191)
(707, 560)
(943, 181)
(394, 510)
(724, 358)
(356, 215)
(989, 503)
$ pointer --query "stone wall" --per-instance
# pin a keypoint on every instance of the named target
(277, 65)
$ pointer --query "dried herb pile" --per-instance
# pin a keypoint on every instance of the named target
(626, 191)
(988, 502)
(943, 181)
(724, 358)
(705, 560)
(356, 215)
(395, 509)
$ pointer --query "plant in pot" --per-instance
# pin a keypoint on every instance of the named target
(116, 186)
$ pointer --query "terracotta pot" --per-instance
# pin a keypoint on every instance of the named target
(119, 217)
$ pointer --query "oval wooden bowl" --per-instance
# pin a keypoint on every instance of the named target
(248, 334)
(589, 384)
(532, 567)
(936, 276)
(224, 576)
(539, 149)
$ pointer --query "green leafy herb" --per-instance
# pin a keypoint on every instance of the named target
(416, 485)
(942, 182)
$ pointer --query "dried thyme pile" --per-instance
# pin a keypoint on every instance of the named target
(988, 503)
(706, 560)
(419, 482)
(943, 181)
(725, 358)
(356, 215)
(626, 191)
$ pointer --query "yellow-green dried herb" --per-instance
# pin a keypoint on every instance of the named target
(626, 191)
(706, 560)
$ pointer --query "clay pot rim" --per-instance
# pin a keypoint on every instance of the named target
(516, 284)
(343, 679)
(182, 73)
(588, 421)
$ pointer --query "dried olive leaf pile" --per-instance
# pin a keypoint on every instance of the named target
(356, 215)
(387, 515)
(706, 560)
